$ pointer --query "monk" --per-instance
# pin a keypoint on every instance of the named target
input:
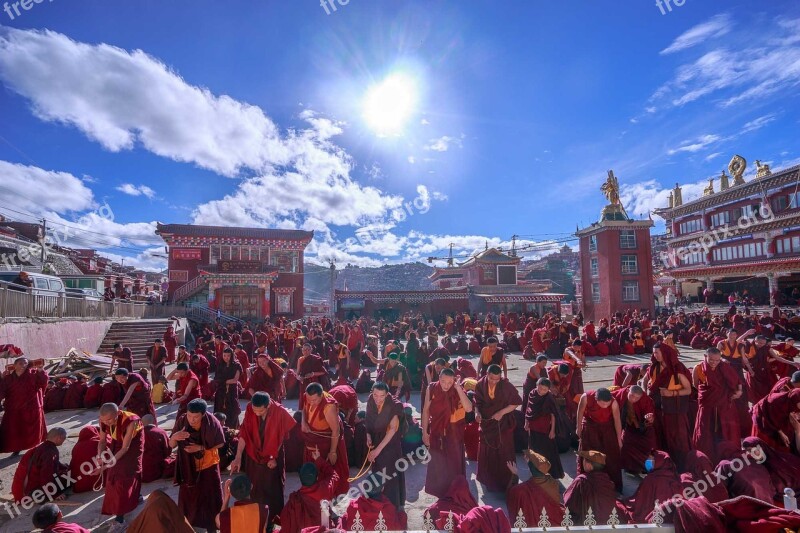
(718, 388)
(122, 356)
(744, 472)
(158, 461)
(263, 435)
(495, 399)
(540, 423)
(347, 401)
(446, 405)
(49, 519)
(638, 436)
(541, 491)
(629, 374)
(788, 351)
(322, 431)
(491, 354)
(267, 377)
(319, 482)
(698, 471)
(160, 513)
(200, 365)
(113, 392)
(22, 393)
(246, 514)
(92, 398)
(76, 393)
(310, 369)
(397, 378)
(771, 418)
(430, 374)
(371, 504)
(600, 428)
(40, 466)
(198, 437)
(536, 372)
(123, 478)
(137, 393)
(84, 451)
(575, 358)
(226, 396)
(661, 483)
(383, 417)
(187, 387)
(762, 358)
(295, 446)
(244, 362)
(593, 488)
(157, 358)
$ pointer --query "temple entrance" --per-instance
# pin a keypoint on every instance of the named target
(241, 302)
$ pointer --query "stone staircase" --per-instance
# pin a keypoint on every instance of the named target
(138, 335)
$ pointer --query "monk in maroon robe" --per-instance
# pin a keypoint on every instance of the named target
(76, 393)
(49, 519)
(637, 414)
(170, 343)
(123, 480)
(628, 374)
(540, 423)
(92, 398)
(457, 499)
(200, 365)
(158, 461)
(495, 399)
(541, 491)
(368, 507)
(137, 393)
(319, 481)
(443, 432)
(593, 488)
(187, 387)
(40, 466)
(310, 369)
(263, 436)
(85, 451)
(762, 378)
(742, 473)
(157, 358)
(718, 387)
(244, 362)
(22, 393)
(226, 395)
(698, 471)
(600, 429)
(491, 354)
(295, 446)
(322, 432)
(753, 516)
(771, 418)
(397, 378)
(383, 417)
(199, 436)
(113, 392)
(661, 483)
(347, 401)
(123, 357)
(267, 377)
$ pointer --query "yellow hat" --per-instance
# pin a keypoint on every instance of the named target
(539, 461)
(594, 456)
(469, 384)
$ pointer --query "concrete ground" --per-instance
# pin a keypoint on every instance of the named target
(84, 509)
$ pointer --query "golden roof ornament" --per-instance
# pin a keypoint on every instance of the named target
(763, 170)
(678, 195)
(723, 181)
(708, 191)
(671, 200)
(614, 210)
(736, 167)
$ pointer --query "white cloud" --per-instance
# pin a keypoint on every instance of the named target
(424, 122)
(713, 156)
(757, 123)
(695, 145)
(650, 109)
(715, 27)
(38, 191)
(443, 144)
(640, 199)
(411, 159)
(134, 190)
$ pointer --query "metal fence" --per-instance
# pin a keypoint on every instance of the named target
(17, 301)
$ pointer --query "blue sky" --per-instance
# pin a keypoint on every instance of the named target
(256, 113)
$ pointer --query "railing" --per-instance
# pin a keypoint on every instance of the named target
(188, 288)
(17, 301)
(205, 315)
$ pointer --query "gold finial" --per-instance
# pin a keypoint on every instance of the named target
(737, 167)
(671, 200)
(708, 191)
(678, 195)
(614, 210)
(763, 170)
(723, 181)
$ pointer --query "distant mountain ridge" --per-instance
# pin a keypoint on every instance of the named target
(404, 277)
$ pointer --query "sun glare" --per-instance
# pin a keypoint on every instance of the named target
(389, 104)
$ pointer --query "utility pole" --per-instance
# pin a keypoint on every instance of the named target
(332, 305)
(42, 241)
(514, 246)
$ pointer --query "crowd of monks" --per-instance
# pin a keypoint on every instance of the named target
(716, 444)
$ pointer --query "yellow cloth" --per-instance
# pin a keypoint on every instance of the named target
(209, 459)
(157, 394)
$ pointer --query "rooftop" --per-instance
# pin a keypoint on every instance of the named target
(230, 231)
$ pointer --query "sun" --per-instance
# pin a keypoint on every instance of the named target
(390, 103)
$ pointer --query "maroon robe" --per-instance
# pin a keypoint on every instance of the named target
(638, 437)
(672, 426)
(537, 416)
(446, 430)
(763, 379)
(302, 508)
(200, 368)
(771, 415)
(783, 467)
(457, 499)
(38, 467)
(23, 424)
(660, 484)
(93, 396)
(368, 510)
(156, 360)
(113, 392)
(377, 424)
(753, 516)
(531, 497)
(75, 395)
(750, 480)
(319, 438)
(599, 434)
(496, 446)
(158, 461)
(260, 381)
(140, 402)
(123, 481)
(64, 527)
(347, 399)
(84, 451)
(308, 365)
(596, 490)
(226, 396)
(264, 442)
(698, 467)
(697, 514)
(623, 370)
(717, 417)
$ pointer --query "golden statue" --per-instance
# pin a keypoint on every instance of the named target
(723, 181)
(763, 170)
(614, 209)
(737, 167)
(671, 200)
(708, 191)
(678, 195)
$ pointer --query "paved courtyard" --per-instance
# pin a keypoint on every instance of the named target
(84, 509)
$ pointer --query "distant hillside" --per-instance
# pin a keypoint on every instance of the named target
(405, 277)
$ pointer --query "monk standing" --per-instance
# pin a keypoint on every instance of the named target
(123, 477)
(137, 393)
(446, 405)
(495, 399)
(170, 343)
(322, 432)
(384, 413)
(23, 425)
(266, 427)
(599, 428)
(157, 359)
(199, 437)
(492, 355)
(718, 388)
(187, 387)
(267, 377)
(540, 423)
(310, 369)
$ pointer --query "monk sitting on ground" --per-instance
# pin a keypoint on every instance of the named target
(76, 393)
(369, 506)
(85, 451)
(49, 519)
(319, 482)
(158, 461)
(94, 394)
(160, 513)
(594, 489)
(246, 515)
(539, 492)
(40, 466)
